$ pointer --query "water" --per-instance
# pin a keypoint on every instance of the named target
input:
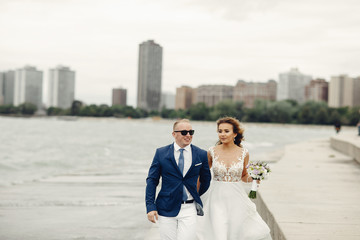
(35, 148)
(85, 179)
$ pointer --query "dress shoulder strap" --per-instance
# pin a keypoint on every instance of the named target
(244, 153)
(212, 151)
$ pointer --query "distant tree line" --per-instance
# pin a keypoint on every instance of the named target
(287, 111)
(22, 109)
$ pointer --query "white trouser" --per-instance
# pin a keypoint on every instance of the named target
(181, 227)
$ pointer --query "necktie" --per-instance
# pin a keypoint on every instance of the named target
(181, 167)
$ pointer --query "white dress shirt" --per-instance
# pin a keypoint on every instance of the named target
(187, 161)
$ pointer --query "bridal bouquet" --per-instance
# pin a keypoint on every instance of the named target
(258, 171)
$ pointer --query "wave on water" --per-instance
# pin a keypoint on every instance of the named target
(7, 167)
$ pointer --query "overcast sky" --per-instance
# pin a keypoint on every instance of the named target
(204, 41)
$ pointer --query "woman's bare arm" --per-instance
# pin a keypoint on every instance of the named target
(245, 177)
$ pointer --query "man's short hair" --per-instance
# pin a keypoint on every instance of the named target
(179, 121)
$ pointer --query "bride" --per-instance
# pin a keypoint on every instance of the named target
(229, 214)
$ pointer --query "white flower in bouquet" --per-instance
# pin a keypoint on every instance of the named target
(258, 171)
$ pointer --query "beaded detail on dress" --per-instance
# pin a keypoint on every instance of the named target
(227, 174)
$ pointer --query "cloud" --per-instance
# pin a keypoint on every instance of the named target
(238, 10)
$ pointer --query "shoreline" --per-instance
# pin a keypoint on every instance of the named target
(156, 119)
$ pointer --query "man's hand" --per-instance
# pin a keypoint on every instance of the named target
(152, 216)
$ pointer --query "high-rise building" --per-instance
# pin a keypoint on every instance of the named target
(61, 87)
(185, 97)
(8, 87)
(213, 94)
(119, 96)
(292, 85)
(168, 100)
(344, 91)
(317, 90)
(356, 92)
(248, 92)
(149, 76)
(28, 86)
(1, 89)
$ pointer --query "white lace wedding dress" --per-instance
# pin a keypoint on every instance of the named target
(229, 214)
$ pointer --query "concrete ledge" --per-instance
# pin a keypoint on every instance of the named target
(268, 217)
(348, 144)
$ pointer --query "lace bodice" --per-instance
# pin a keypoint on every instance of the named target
(227, 174)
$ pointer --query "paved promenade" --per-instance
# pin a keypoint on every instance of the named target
(313, 193)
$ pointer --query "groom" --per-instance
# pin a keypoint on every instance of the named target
(180, 164)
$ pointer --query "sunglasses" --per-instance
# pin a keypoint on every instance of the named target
(185, 132)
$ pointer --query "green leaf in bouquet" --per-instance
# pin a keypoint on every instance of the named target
(252, 194)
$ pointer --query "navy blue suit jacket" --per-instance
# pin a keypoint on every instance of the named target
(168, 201)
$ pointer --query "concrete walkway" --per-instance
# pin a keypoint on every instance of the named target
(313, 193)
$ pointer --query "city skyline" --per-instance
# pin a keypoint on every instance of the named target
(9, 74)
(207, 42)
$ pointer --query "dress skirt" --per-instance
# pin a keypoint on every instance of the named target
(229, 214)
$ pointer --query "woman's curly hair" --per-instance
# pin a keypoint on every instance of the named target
(237, 128)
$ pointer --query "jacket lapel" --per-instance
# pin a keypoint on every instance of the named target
(193, 159)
